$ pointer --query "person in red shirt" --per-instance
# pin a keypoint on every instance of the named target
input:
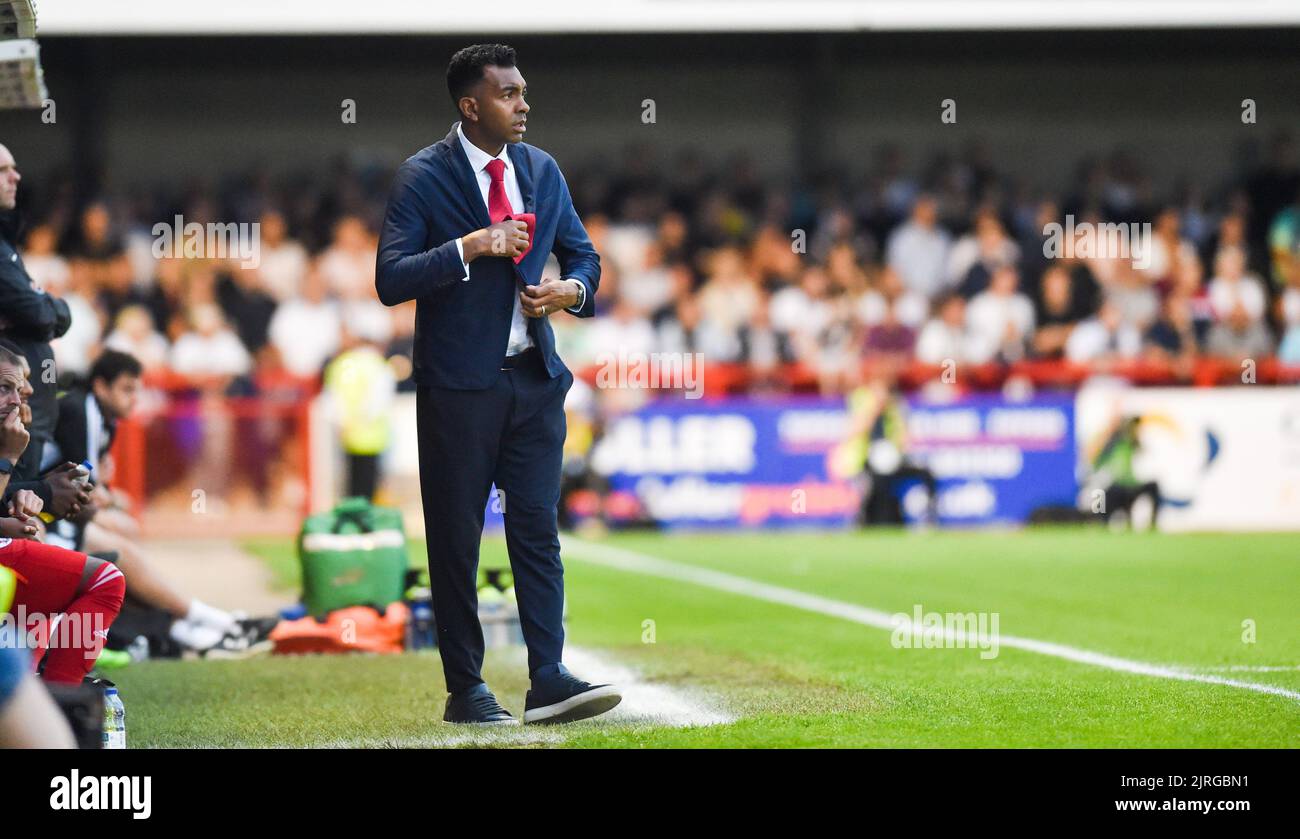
(64, 600)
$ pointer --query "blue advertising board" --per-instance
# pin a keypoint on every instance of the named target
(763, 463)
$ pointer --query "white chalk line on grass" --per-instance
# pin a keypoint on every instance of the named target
(643, 704)
(640, 563)
(1245, 668)
(511, 736)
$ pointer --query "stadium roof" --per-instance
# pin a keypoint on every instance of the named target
(159, 17)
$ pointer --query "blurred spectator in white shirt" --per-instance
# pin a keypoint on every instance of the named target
(918, 249)
(134, 334)
(623, 330)
(348, 264)
(765, 348)
(650, 287)
(46, 268)
(626, 245)
(688, 330)
(844, 270)
(348, 268)
(944, 336)
(1133, 292)
(802, 311)
(1000, 319)
(986, 245)
(1167, 245)
(910, 308)
(730, 296)
(1232, 286)
(74, 351)
(1238, 337)
(283, 262)
(209, 347)
(307, 329)
(1105, 337)
(369, 319)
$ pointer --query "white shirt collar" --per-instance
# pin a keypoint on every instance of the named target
(478, 159)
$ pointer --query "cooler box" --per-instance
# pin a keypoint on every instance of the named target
(353, 555)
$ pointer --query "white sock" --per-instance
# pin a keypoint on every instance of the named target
(201, 612)
(195, 636)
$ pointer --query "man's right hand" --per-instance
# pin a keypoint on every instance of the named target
(13, 436)
(505, 238)
(66, 497)
(25, 505)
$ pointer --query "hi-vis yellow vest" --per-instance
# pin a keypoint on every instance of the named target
(362, 385)
(849, 458)
(8, 586)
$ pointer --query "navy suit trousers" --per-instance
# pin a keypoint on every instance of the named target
(511, 434)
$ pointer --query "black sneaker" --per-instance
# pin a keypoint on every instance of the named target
(563, 697)
(258, 630)
(251, 637)
(476, 706)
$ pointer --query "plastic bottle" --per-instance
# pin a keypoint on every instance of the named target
(83, 473)
(420, 631)
(81, 478)
(114, 720)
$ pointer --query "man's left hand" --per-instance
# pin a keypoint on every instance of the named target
(548, 297)
(12, 528)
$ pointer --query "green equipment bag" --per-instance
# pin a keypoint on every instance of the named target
(353, 555)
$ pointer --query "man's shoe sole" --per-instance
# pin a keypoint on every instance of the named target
(511, 721)
(583, 706)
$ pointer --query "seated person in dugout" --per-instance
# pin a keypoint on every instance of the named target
(64, 601)
(84, 433)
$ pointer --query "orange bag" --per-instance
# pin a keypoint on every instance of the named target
(354, 629)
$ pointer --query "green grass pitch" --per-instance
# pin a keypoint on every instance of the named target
(1222, 605)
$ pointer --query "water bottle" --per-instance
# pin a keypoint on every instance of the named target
(420, 631)
(81, 477)
(114, 720)
(82, 473)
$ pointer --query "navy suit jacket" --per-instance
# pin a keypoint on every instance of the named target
(462, 326)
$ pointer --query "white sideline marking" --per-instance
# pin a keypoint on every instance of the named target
(1246, 668)
(633, 561)
(487, 736)
(642, 702)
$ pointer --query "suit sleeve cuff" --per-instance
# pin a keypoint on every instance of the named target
(460, 251)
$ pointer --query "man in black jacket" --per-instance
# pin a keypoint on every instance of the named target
(58, 491)
(30, 319)
(87, 424)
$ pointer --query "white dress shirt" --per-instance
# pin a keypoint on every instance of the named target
(520, 340)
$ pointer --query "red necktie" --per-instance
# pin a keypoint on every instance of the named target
(499, 207)
(498, 204)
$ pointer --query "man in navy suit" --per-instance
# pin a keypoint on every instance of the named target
(490, 400)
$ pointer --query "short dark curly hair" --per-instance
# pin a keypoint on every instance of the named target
(111, 364)
(466, 67)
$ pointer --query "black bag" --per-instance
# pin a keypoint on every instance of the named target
(137, 619)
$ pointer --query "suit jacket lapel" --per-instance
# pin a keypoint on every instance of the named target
(524, 175)
(465, 177)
